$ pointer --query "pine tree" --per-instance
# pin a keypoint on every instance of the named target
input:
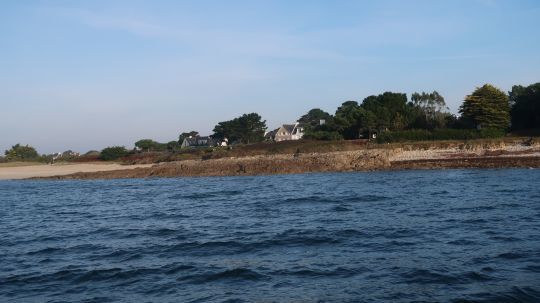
(487, 107)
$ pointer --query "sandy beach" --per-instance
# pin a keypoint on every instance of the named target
(44, 170)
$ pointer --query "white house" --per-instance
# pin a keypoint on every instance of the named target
(289, 132)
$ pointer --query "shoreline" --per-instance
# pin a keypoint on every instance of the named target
(435, 155)
(395, 158)
(33, 170)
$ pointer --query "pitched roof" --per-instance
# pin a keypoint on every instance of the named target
(289, 127)
(271, 133)
(200, 141)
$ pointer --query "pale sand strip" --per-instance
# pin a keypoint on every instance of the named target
(23, 172)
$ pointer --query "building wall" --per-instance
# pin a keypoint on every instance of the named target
(282, 134)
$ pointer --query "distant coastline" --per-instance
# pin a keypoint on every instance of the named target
(429, 155)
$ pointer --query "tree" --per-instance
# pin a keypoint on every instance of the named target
(20, 152)
(113, 153)
(149, 145)
(486, 107)
(173, 146)
(429, 102)
(146, 144)
(314, 117)
(353, 120)
(525, 103)
(390, 110)
(319, 125)
(248, 128)
(430, 110)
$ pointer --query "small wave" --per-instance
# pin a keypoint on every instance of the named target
(338, 272)
(505, 239)
(337, 199)
(114, 274)
(45, 251)
(175, 268)
(515, 295)
(340, 208)
(440, 193)
(474, 221)
(227, 275)
(351, 233)
(205, 195)
(99, 300)
(396, 233)
(302, 237)
(423, 276)
(506, 190)
(476, 276)
(462, 242)
(533, 268)
(287, 238)
(310, 199)
(119, 254)
(161, 232)
(97, 275)
(511, 255)
(371, 198)
(211, 248)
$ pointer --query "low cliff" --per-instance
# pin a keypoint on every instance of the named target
(360, 160)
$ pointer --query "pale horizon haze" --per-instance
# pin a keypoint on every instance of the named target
(83, 75)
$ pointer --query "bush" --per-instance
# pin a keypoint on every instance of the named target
(438, 134)
(323, 135)
(113, 153)
(20, 152)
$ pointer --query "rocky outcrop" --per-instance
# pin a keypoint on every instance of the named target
(360, 160)
(383, 158)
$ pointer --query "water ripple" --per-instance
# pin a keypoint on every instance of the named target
(408, 236)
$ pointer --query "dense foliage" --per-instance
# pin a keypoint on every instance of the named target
(385, 112)
(486, 107)
(430, 111)
(525, 103)
(149, 145)
(319, 125)
(248, 128)
(113, 153)
(20, 152)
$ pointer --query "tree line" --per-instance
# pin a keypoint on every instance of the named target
(486, 112)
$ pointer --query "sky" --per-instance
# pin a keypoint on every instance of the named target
(83, 75)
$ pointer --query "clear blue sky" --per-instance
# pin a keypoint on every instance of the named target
(88, 74)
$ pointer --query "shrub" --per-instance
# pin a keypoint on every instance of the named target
(113, 153)
(438, 134)
(323, 135)
(20, 152)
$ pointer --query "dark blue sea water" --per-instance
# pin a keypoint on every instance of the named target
(406, 236)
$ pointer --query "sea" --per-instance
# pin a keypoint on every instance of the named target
(400, 236)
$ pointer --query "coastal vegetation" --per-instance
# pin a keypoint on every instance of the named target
(486, 107)
(20, 152)
(248, 128)
(525, 106)
(389, 117)
(113, 153)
